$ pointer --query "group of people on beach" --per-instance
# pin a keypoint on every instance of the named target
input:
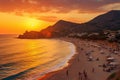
(111, 62)
(81, 76)
(96, 53)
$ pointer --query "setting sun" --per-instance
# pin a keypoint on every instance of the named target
(32, 24)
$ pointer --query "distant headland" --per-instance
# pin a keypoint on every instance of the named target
(105, 26)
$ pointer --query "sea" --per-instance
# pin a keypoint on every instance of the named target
(30, 59)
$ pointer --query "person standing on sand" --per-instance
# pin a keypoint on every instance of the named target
(67, 74)
(93, 70)
(78, 59)
(80, 75)
(85, 74)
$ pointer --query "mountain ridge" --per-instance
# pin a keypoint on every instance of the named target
(107, 21)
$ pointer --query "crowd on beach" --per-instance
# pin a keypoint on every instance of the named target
(110, 62)
(111, 58)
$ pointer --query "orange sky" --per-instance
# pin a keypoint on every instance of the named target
(17, 16)
(11, 23)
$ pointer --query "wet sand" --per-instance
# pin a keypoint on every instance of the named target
(80, 68)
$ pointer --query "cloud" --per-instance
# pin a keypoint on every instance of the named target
(59, 6)
(115, 6)
(53, 10)
(48, 18)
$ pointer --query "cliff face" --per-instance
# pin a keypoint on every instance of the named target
(107, 21)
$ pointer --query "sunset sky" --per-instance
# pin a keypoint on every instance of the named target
(16, 16)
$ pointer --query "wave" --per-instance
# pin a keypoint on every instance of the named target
(30, 59)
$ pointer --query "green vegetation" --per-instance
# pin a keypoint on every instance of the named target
(112, 76)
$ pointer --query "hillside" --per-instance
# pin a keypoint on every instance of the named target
(107, 21)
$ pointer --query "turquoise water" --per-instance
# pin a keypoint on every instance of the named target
(23, 59)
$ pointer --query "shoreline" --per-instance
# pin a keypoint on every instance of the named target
(77, 65)
(70, 61)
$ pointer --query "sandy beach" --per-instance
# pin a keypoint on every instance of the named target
(88, 63)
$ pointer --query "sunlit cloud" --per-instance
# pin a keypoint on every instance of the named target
(60, 9)
(48, 18)
(115, 6)
(61, 6)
